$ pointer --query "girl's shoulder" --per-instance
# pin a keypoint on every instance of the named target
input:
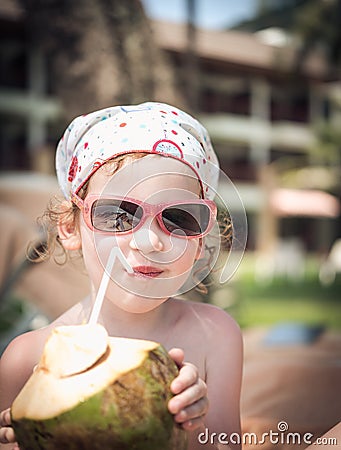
(24, 351)
(18, 361)
(208, 317)
(23, 354)
(210, 337)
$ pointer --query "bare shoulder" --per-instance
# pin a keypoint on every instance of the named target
(23, 353)
(209, 336)
(214, 319)
(18, 361)
(27, 348)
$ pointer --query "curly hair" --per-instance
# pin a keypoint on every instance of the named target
(62, 210)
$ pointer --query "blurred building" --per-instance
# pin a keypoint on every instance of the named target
(27, 108)
(242, 88)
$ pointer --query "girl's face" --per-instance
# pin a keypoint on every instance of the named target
(161, 262)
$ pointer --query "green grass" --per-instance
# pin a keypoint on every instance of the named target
(258, 311)
(282, 300)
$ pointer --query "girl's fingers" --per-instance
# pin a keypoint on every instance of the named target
(188, 397)
(189, 403)
(188, 375)
(6, 431)
(7, 435)
(193, 412)
(178, 356)
(192, 424)
(5, 417)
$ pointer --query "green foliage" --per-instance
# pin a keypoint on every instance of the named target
(282, 300)
(318, 22)
(328, 145)
(307, 302)
(11, 312)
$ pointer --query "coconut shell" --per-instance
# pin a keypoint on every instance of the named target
(120, 402)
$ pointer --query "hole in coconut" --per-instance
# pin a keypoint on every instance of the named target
(101, 360)
(73, 349)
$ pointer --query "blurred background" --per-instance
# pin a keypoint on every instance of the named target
(264, 78)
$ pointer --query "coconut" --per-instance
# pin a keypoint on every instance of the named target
(91, 391)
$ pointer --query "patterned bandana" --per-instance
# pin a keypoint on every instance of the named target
(156, 128)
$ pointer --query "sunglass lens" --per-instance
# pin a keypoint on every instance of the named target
(188, 219)
(115, 215)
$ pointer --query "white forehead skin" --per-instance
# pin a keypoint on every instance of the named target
(152, 177)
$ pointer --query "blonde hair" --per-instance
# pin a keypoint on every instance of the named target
(62, 210)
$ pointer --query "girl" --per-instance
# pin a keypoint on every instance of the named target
(142, 179)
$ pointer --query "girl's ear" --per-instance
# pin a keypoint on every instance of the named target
(68, 230)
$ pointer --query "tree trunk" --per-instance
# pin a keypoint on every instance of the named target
(99, 52)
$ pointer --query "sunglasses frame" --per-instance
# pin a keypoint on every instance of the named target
(149, 210)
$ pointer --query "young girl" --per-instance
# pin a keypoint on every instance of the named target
(142, 179)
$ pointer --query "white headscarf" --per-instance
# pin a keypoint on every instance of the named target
(93, 139)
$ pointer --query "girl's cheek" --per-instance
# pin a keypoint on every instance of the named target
(90, 255)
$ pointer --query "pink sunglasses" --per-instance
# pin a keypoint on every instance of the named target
(118, 215)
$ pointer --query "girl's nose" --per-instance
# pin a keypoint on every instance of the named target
(147, 239)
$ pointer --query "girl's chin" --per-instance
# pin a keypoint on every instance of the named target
(132, 303)
(141, 308)
(144, 288)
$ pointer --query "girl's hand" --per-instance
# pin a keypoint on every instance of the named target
(190, 402)
(6, 431)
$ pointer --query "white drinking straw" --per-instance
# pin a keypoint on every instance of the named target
(115, 253)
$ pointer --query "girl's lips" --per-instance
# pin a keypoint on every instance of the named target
(147, 271)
